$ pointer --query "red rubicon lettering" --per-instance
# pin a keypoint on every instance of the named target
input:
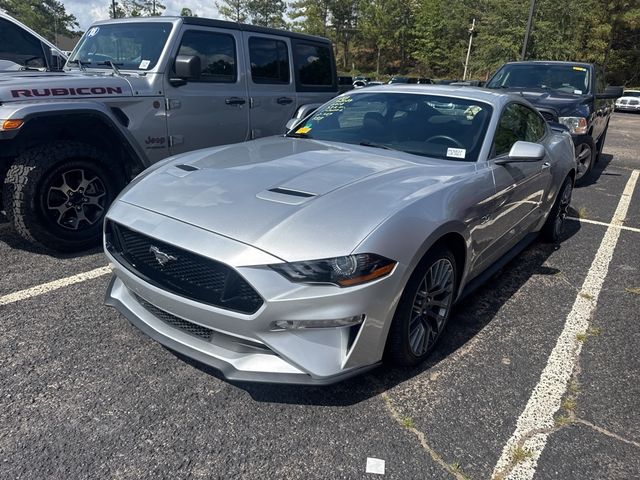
(98, 90)
(83, 91)
(59, 91)
(114, 90)
(20, 93)
(44, 93)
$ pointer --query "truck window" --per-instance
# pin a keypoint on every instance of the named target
(313, 64)
(19, 46)
(269, 60)
(217, 54)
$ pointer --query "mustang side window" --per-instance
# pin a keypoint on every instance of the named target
(517, 123)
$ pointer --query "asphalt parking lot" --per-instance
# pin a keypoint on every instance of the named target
(538, 375)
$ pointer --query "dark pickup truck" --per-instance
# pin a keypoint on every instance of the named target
(570, 93)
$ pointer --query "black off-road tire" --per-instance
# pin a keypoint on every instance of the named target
(554, 225)
(398, 349)
(27, 184)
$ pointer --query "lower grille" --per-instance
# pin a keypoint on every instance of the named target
(176, 322)
(181, 272)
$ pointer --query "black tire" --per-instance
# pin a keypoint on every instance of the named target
(585, 158)
(34, 185)
(554, 225)
(401, 348)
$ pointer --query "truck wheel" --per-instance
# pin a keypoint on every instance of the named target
(585, 157)
(57, 195)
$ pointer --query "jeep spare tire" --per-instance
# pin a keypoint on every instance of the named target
(58, 194)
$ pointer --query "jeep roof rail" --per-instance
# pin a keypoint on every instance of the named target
(210, 22)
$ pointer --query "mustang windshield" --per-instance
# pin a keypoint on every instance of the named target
(130, 46)
(565, 78)
(428, 125)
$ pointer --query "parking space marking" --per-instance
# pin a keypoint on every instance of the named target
(55, 285)
(537, 420)
(604, 224)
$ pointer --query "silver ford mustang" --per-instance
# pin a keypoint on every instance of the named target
(310, 257)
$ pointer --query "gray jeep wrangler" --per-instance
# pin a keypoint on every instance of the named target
(133, 92)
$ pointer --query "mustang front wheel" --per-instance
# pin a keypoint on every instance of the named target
(424, 309)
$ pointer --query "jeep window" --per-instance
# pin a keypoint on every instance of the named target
(269, 60)
(19, 46)
(217, 54)
(573, 79)
(130, 46)
(517, 123)
(313, 63)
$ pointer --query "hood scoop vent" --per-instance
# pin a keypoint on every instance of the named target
(286, 195)
(294, 193)
(187, 168)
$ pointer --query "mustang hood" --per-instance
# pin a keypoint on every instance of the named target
(282, 194)
(47, 86)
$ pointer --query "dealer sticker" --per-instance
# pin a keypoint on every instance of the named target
(456, 152)
(144, 64)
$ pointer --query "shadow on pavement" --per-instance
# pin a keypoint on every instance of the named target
(469, 317)
(597, 171)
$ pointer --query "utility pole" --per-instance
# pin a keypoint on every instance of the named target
(113, 7)
(466, 62)
(528, 30)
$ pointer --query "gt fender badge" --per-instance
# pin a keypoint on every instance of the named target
(161, 257)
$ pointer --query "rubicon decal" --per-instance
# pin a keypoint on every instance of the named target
(65, 92)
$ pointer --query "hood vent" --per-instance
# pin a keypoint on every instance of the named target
(187, 168)
(294, 193)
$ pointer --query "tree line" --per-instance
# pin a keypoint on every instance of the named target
(417, 37)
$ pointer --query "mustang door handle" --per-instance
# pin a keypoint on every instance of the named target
(545, 165)
(284, 100)
(235, 101)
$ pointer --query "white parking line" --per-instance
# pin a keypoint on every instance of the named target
(537, 420)
(56, 284)
(604, 224)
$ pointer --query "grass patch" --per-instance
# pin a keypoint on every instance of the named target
(581, 337)
(562, 420)
(593, 331)
(573, 387)
(407, 422)
(569, 404)
(582, 213)
(586, 295)
(635, 290)
(520, 454)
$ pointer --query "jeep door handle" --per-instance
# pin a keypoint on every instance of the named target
(235, 101)
(284, 100)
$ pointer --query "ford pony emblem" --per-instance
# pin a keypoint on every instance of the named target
(161, 257)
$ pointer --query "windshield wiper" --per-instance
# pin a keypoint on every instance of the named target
(114, 66)
(80, 63)
(366, 143)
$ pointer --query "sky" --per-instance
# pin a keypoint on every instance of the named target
(88, 11)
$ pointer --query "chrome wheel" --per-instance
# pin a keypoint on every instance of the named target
(584, 157)
(76, 199)
(431, 306)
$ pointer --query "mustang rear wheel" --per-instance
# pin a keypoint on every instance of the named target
(57, 195)
(424, 309)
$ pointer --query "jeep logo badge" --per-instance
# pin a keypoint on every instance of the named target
(161, 257)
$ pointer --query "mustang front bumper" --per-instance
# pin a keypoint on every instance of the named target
(245, 347)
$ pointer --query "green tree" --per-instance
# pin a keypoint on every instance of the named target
(187, 12)
(47, 17)
(267, 13)
(311, 16)
(234, 10)
(152, 8)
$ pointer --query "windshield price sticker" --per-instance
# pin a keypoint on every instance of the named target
(144, 64)
(456, 152)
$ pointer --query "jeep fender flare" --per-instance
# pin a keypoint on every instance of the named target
(35, 111)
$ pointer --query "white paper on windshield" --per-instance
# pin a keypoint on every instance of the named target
(93, 31)
(577, 92)
(456, 152)
(144, 64)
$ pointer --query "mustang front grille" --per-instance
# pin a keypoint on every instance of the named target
(180, 271)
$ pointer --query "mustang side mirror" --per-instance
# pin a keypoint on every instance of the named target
(610, 92)
(186, 67)
(524, 152)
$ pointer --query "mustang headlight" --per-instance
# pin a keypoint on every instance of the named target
(341, 271)
(576, 125)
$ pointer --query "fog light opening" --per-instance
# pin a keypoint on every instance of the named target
(305, 324)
